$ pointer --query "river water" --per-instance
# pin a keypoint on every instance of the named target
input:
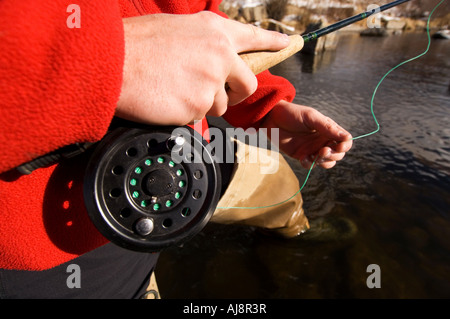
(393, 185)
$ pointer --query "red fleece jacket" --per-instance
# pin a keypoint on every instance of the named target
(59, 86)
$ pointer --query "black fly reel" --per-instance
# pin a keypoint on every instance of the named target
(148, 188)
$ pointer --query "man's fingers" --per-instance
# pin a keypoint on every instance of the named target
(328, 164)
(340, 147)
(307, 162)
(241, 82)
(326, 126)
(246, 37)
(344, 146)
(326, 158)
(331, 129)
(220, 104)
(327, 154)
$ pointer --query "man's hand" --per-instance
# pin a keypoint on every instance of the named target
(306, 133)
(176, 66)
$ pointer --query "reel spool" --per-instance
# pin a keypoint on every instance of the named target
(145, 192)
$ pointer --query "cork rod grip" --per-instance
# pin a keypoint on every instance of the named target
(263, 60)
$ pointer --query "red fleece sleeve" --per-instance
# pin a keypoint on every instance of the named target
(271, 90)
(58, 85)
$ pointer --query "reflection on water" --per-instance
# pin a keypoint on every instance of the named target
(394, 185)
(312, 63)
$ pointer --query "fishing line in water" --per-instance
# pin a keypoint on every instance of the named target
(360, 136)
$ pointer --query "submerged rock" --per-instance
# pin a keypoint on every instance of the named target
(442, 34)
(374, 32)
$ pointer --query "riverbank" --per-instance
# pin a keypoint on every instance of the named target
(303, 17)
(284, 16)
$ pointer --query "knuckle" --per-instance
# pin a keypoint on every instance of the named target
(207, 16)
(254, 32)
(203, 103)
(309, 111)
(211, 21)
(250, 86)
(223, 45)
(328, 123)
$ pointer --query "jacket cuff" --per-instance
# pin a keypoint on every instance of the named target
(271, 90)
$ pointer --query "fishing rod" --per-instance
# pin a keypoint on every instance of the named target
(262, 60)
(343, 23)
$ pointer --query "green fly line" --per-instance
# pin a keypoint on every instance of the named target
(360, 136)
